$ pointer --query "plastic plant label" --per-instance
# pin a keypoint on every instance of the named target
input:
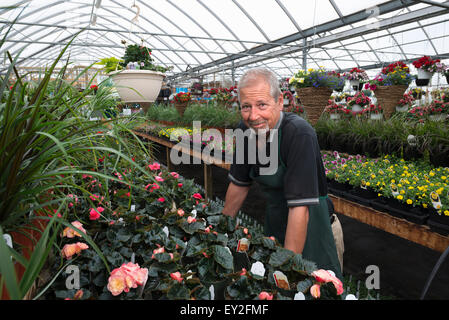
(126, 112)
(258, 269)
(8, 239)
(394, 190)
(165, 230)
(436, 202)
(212, 292)
(363, 184)
(299, 296)
(243, 245)
(133, 207)
(281, 280)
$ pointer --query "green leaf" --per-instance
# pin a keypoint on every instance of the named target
(178, 292)
(304, 285)
(223, 256)
(7, 269)
(280, 257)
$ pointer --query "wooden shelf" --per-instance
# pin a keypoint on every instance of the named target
(420, 234)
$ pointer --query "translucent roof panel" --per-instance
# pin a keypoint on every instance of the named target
(226, 37)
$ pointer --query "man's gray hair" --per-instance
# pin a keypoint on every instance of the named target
(257, 73)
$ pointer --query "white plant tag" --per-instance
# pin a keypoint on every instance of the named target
(8, 239)
(126, 112)
(281, 280)
(212, 292)
(258, 269)
(299, 296)
(165, 230)
(133, 207)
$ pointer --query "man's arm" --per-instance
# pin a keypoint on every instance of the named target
(235, 196)
(295, 236)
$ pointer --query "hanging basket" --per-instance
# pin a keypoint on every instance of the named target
(388, 97)
(181, 107)
(314, 101)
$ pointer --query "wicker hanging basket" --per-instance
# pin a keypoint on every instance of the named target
(388, 97)
(314, 101)
(181, 107)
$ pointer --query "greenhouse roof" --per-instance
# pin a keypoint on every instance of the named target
(209, 39)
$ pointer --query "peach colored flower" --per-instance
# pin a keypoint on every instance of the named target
(180, 212)
(176, 276)
(71, 249)
(71, 233)
(191, 219)
(128, 276)
(245, 230)
(265, 296)
(324, 276)
(315, 291)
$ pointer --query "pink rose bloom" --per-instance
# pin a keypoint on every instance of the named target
(154, 166)
(265, 296)
(176, 276)
(197, 196)
(94, 215)
(174, 175)
(315, 291)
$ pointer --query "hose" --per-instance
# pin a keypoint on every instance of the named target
(434, 272)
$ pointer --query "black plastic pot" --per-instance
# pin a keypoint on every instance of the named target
(438, 223)
(362, 196)
(422, 82)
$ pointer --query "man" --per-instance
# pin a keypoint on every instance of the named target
(297, 210)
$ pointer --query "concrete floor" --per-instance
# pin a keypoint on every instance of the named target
(404, 266)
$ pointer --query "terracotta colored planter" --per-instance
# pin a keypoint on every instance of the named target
(314, 101)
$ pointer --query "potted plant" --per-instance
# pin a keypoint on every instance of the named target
(181, 101)
(425, 67)
(375, 112)
(335, 110)
(437, 110)
(355, 76)
(405, 103)
(389, 86)
(139, 80)
(358, 102)
(314, 87)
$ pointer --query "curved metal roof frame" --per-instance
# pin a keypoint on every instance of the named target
(314, 45)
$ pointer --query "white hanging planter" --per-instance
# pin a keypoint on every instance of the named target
(357, 108)
(438, 117)
(376, 116)
(354, 83)
(423, 74)
(137, 85)
(335, 116)
(402, 109)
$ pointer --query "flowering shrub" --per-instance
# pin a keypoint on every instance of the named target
(427, 64)
(182, 97)
(356, 74)
(315, 78)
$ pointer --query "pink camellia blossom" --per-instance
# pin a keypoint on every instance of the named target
(265, 296)
(315, 291)
(176, 276)
(94, 214)
(71, 249)
(174, 175)
(191, 219)
(128, 276)
(70, 233)
(324, 276)
(154, 166)
(197, 196)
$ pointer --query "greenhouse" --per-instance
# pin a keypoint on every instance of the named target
(224, 150)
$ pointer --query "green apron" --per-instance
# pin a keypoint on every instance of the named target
(320, 244)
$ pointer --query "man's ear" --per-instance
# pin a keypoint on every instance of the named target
(281, 102)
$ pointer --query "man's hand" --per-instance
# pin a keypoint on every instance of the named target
(295, 235)
(235, 196)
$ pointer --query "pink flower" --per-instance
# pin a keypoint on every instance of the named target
(160, 179)
(315, 291)
(176, 276)
(180, 212)
(243, 273)
(154, 166)
(324, 276)
(180, 185)
(174, 175)
(191, 219)
(245, 230)
(161, 199)
(94, 214)
(265, 296)
(71, 249)
(128, 276)
(197, 196)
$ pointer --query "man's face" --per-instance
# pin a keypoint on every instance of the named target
(259, 109)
